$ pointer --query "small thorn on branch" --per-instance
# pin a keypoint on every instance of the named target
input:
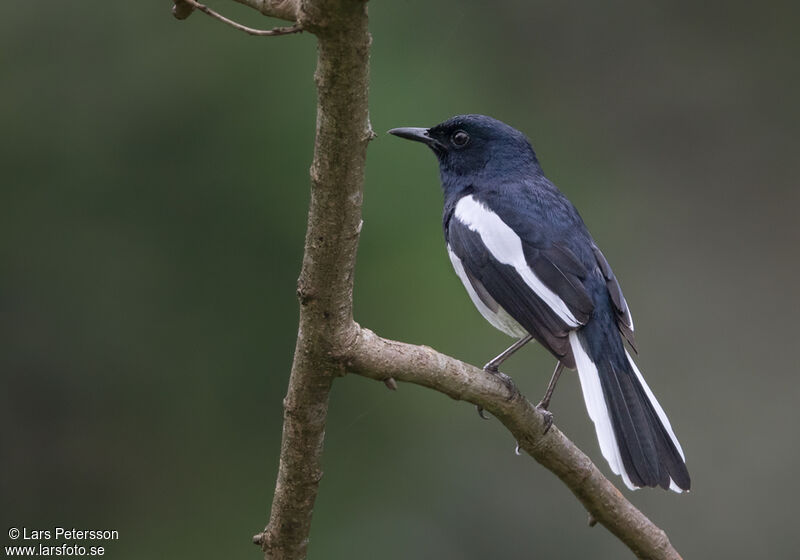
(390, 383)
(184, 8)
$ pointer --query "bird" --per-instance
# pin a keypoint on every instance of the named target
(533, 270)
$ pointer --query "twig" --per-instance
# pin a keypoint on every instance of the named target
(181, 11)
(281, 9)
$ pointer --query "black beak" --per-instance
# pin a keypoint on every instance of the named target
(416, 134)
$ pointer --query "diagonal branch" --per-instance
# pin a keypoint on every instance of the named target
(183, 9)
(281, 9)
(381, 359)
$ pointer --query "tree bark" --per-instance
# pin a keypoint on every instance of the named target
(325, 286)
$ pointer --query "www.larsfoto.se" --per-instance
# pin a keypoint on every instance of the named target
(49, 550)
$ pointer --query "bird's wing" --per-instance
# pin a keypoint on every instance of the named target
(540, 287)
(624, 319)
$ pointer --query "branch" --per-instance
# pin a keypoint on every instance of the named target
(184, 8)
(381, 359)
(325, 286)
(281, 9)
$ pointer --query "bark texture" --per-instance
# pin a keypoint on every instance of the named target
(325, 286)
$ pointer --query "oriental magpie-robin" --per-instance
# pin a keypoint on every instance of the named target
(533, 271)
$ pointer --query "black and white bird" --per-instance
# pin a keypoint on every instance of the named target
(533, 271)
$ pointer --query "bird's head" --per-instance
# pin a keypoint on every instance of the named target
(470, 145)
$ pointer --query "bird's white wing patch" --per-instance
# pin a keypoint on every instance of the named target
(506, 247)
(500, 320)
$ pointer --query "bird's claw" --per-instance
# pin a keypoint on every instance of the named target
(548, 417)
(507, 381)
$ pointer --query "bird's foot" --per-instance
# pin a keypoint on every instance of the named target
(507, 381)
(480, 412)
(548, 416)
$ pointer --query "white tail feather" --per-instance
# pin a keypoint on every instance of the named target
(597, 408)
(660, 411)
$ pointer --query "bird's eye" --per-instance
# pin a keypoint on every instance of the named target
(460, 138)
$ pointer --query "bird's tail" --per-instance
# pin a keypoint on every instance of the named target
(634, 433)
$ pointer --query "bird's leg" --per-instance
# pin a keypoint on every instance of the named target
(544, 404)
(494, 364)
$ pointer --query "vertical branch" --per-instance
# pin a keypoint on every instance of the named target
(325, 286)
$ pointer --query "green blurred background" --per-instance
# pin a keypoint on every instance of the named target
(152, 213)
